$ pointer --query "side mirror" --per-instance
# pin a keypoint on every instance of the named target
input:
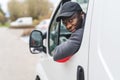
(36, 42)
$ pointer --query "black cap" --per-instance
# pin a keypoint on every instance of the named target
(68, 9)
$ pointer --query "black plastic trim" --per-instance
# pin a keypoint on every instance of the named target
(80, 73)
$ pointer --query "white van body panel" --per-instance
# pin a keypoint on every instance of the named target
(104, 53)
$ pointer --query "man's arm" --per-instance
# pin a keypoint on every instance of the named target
(70, 47)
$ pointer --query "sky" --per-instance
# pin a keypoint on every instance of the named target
(4, 5)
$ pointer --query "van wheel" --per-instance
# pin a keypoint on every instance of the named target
(37, 78)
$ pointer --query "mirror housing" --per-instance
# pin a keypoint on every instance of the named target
(36, 42)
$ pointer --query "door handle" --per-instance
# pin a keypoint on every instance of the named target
(80, 73)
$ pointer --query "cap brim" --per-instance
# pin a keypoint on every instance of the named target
(67, 14)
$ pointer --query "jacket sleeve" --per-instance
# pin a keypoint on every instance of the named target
(65, 50)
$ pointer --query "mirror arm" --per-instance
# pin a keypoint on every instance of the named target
(40, 49)
(44, 35)
(44, 49)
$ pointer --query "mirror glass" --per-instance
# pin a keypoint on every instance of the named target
(36, 39)
(36, 42)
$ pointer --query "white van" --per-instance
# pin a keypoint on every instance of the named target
(22, 22)
(99, 54)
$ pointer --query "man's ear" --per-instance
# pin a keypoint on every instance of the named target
(81, 13)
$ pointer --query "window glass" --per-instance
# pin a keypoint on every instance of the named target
(53, 32)
(53, 36)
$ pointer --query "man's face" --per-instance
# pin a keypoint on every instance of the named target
(72, 22)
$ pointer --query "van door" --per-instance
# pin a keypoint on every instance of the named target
(77, 67)
(105, 41)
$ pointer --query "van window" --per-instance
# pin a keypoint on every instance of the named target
(58, 33)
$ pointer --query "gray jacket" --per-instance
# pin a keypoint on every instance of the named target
(69, 47)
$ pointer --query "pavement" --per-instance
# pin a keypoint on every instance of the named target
(16, 61)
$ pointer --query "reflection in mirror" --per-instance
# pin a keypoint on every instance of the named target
(36, 39)
(36, 42)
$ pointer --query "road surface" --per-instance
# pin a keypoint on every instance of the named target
(16, 62)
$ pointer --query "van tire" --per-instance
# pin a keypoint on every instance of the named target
(37, 78)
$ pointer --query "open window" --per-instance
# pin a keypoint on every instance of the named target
(58, 33)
